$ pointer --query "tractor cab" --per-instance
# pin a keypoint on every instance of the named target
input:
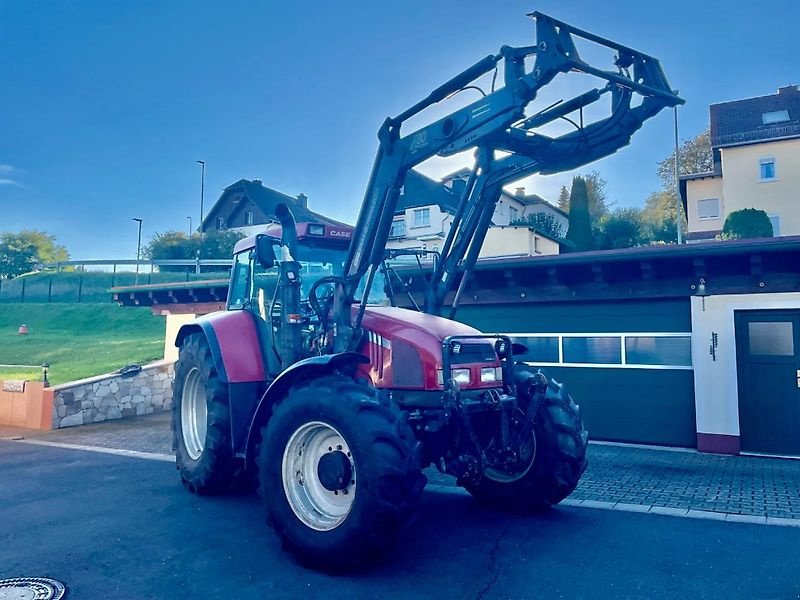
(320, 251)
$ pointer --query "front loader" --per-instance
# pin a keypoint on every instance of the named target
(320, 390)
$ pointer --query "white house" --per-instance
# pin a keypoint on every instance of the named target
(426, 207)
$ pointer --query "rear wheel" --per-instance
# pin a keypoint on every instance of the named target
(201, 422)
(339, 472)
(557, 451)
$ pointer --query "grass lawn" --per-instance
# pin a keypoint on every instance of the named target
(77, 340)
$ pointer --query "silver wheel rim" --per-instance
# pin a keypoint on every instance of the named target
(317, 507)
(501, 476)
(194, 414)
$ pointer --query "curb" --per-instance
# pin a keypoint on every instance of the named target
(650, 509)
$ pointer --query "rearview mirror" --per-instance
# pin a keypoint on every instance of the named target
(265, 252)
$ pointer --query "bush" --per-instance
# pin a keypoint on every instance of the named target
(747, 223)
(621, 229)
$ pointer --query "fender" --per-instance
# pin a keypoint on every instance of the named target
(234, 342)
(238, 354)
(308, 368)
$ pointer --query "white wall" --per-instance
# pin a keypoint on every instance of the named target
(716, 382)
(174, 323)
(743, 188)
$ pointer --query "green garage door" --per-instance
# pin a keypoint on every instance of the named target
(628, 364)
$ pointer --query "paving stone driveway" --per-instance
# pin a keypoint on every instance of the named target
(743, 485)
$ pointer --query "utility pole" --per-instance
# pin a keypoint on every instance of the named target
(677, 181)
(138, 249)
(202, 164)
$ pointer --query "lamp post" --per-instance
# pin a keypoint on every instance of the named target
(677, 180)
(138, 248)
(202, 164)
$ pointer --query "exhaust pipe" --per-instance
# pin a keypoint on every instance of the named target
(290, 336)
(288, 228)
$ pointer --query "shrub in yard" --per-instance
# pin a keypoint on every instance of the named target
(747, 223)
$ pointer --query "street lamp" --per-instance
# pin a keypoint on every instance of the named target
(138, 248)
(677, 179)
(202, 164)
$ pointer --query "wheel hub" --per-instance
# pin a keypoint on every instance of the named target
(319, 475)
(194, 414)
(334, 471)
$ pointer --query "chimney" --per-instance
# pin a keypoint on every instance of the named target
(788, 89)
(302, 200)
(520, 193)
(258, 181)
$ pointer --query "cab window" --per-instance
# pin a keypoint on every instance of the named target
(240, 281)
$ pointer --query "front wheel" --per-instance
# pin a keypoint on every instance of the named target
(339, 472)
(201, 422)
(558, 455)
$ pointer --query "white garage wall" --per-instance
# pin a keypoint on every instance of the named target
(715, 382)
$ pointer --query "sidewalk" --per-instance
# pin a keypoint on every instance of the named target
(629, 476)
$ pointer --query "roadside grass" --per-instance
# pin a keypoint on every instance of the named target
(77, 340)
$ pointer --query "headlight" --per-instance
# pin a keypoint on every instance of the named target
(460, 375)
(491, 374)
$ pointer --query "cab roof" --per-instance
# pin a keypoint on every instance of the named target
(336, 236)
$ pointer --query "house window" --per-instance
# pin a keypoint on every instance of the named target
(708, 208)
(513, 214)
(767, 169)
(776, 116)
(422, 217)
(220, 222)
(398, 228)
(249, 217)
(776, 225)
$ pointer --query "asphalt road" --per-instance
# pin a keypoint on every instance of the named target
(124, 528)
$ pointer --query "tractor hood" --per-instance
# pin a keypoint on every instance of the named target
(410, 324)
(405, 348)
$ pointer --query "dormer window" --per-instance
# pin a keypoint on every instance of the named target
(775, 116)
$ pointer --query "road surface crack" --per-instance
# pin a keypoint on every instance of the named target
(491, 568)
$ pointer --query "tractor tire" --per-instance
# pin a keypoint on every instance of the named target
(339, 472)
(559, 459)
(201, 422)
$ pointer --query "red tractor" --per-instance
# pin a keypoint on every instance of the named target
(315, 385)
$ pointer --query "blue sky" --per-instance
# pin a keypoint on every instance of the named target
(106, 105)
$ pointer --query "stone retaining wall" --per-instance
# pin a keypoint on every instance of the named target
(113, 396)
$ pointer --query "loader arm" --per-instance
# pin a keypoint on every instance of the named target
(496, 121)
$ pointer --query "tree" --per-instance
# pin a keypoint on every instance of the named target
(598, 198)
(21, 252)
(747, 223)
(563, 199)
(219, 244)
(695, 157)
(579, 234)
(659, 218)
(621, 228)
(544, 223)
(596, 193)
(176, 245)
